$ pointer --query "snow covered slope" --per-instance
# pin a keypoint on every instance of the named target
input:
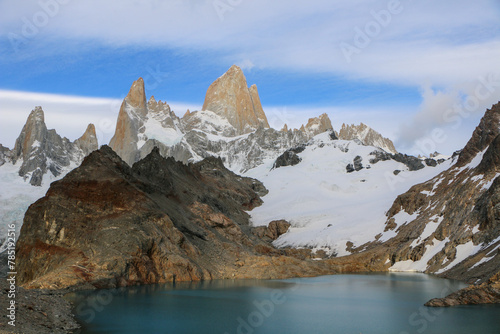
(328, 207)
(453, 218)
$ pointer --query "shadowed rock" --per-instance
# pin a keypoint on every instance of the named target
(107, 224)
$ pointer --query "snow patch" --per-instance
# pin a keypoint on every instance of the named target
(480, 262)
(430, 228)
(421, 265)
(462, 252)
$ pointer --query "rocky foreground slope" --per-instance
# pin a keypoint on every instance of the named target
(107, 224)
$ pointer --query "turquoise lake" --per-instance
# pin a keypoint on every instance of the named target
(374, 303)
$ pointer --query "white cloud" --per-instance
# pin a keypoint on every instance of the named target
(447, 117)
(440, 41)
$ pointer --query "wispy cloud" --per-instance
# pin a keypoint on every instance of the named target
(426, 40)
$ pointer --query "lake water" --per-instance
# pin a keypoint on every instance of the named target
(375, 303)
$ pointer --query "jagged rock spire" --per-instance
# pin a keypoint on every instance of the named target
(43, 150)
(230, 98)
(88, 141)
(124, 141)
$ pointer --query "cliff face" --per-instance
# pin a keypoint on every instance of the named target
(42, 150)
(107, 224)
(483, 135)
(230, 98)
(5, 155)
(130, 120)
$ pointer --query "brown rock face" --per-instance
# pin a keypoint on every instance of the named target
(107, 224)
(259, 112)
(273, 231)
(34, 130)
(136, 97)
(482, 136)
(88, 141)
(317, 125)
(367, 136)
(230, 98)
(132, 111)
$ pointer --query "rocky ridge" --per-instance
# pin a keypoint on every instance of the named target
(367, 136)
(231, 125)
(449, 225)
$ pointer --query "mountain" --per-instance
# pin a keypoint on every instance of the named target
(139, 121)
(448, 225)
(230, 98)
(231, 125)
(367, 206)
(40, 150)
(335, 193)
(367, 136)
(106, 224)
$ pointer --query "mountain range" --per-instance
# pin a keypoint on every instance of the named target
(347, 197)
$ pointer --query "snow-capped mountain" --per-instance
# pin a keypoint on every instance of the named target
(449, 224)
(231, 125)
(335, 193)
(346, 192)
(40, 150)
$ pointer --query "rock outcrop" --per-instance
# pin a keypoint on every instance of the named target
(367, 136)
(273, 231)
(485, 293)
(356, 165)
(317, 125)
(230, 98)
(106, 224)
(42, 150)
(482, 136)
(289, 157)
(5, 155)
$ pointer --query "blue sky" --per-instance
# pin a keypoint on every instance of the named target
(398, 66)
